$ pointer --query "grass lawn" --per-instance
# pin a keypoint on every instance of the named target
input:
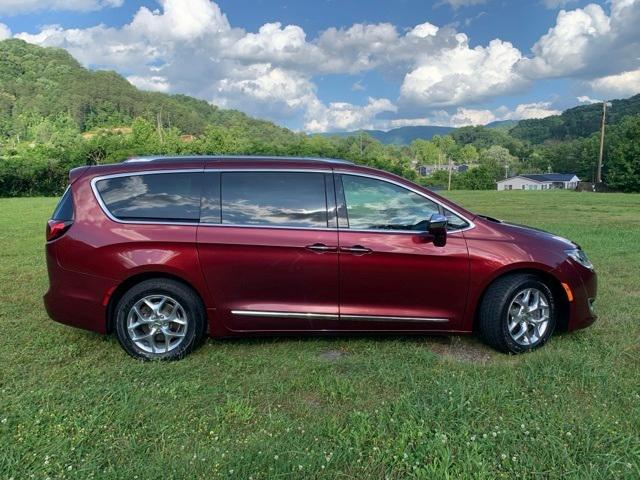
(74, 405)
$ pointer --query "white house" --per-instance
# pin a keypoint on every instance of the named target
(539, 181)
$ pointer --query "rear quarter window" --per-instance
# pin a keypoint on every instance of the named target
(64, 209)
(166, 197)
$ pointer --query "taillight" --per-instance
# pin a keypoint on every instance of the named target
(57, 228)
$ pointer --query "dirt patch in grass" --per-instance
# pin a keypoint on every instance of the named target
(460, 349)
(333, 355)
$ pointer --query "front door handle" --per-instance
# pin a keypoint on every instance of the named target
(356, 250)
(321, 248)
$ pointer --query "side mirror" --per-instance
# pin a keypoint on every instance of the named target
(438, 229)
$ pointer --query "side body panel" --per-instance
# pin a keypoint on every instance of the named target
(405, 275)
(253, 273)
(97, 254)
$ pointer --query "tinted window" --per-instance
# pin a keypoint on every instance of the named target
(378, 205)
(288, 199)
(210, 206)
(171, 197)
(64, 209)
(454, 222)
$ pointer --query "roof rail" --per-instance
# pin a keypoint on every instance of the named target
(221, 158)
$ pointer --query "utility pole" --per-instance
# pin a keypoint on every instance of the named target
(604, 115)
(450, 165)
(159, 122)
(506, 170)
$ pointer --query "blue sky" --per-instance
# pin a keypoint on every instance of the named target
(333, 65)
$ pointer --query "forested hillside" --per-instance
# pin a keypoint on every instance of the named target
(48, 83)
(55, 115)
(576, 122)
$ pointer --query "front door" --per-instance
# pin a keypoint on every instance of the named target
(392, 276)
(268, 249)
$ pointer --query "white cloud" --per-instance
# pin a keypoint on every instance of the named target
(463, 117)
(17, 7)
(180, 19)
(621, 85)
(424, 30)
(468, 116)
(526, 111)
(585, 42)
(587, 99)
(458, 75)
(154, 83)
(346, 116)
(266, 91)
(5, 32)
(564, 47)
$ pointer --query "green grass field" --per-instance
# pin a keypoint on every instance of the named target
(73, 405)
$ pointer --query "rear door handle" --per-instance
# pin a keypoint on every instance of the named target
(356, 250)
(321, 248)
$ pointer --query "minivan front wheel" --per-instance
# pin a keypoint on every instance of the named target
(159, 319)
(517, 313)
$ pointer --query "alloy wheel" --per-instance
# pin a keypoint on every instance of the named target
(157, 324)
(528, 317)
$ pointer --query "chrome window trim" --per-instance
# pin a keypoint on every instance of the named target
(106, 211)
(311, 315)
(272, 227)
(401, 185)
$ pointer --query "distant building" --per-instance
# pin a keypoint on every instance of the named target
(426, 170)
(539, 181)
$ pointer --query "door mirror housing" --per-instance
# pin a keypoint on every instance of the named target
(438, 229)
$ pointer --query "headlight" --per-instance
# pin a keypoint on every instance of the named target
(579, 256)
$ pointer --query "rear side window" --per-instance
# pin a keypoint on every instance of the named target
(64, 209)
(167, 197)
(279, 199)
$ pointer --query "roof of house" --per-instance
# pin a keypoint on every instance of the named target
(545, 177)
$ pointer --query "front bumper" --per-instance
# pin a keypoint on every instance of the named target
(583, 284)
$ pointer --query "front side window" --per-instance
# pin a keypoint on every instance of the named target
(278, 199)
(374, 204)
(454, 222)
(166, 197)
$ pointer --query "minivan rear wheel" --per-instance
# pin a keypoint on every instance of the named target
(517, 313)
(160, 319)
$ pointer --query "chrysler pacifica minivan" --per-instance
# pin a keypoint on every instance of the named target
(165, 251)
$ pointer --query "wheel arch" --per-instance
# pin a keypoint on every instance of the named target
(553, 282)
(135, 279)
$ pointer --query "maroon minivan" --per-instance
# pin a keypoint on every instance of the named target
(165, 251)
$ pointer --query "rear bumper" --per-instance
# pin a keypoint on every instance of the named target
(76, 299)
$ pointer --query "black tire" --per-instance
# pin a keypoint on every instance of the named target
(195, 318)
(494, 312)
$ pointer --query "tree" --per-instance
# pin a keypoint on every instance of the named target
(623, 159)
(480, 178)
(425, 152)
(497, 160)
(467, 155)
